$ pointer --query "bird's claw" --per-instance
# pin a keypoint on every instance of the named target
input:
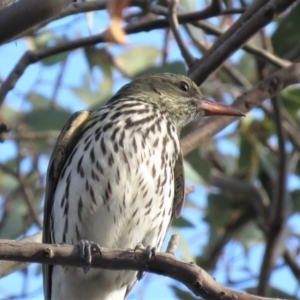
(86, 249)
(150, 251)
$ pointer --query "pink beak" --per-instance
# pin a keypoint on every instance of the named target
(211, 108)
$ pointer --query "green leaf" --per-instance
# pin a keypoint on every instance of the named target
(181, 222)
(205, 262)
(218, 210)
(18, 218)
(249, 235)
(247, 66)
(98, 57)
(13, 224)
(8, 183)
(291, 101)
(46, 39)
(191, 174)
(199, 164)
(102, 59)
(38, 101)
(192, 6)
(105, 90)
(46, 119)
(93, 99)
(295, 195)
(86, 95)
(266, 163)
(8, 116)
(184, 247)
(135, 60)
(286, 36)
(247, 154)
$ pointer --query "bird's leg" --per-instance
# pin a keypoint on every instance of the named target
(150, 251)
(86, 249)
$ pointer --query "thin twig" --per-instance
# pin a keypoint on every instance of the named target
(279, 207)
(58, 82)
(165, 48)
(30, 199)
(288, 124)
(259, 52)
(236, 36)
(173, 243)
(189, 59)
(27, 193)
(227, 67)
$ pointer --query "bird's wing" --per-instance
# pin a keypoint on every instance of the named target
(64, 145)
(179, 187)
(179, 196)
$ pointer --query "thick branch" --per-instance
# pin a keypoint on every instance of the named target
(196, 279)
(236, 36)
(36, 11)
(31, 57)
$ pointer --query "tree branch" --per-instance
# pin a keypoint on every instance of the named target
(248, 47)
(31, 57)
(36, 11)
(254, 18)
(277, 222)
(195, 278)
(7, 267)
(189, 59)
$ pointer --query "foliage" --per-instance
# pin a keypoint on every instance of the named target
(235, 175)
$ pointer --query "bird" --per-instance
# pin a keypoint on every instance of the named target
(116, 178)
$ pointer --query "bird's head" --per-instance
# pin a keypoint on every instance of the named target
(176, 95)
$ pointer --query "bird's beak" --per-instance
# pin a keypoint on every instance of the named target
(211, 108)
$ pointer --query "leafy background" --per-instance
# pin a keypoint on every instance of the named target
(233, 176)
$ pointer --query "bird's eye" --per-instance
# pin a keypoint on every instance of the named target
(183, 86)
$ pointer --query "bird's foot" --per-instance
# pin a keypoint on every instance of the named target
(86, 250)
(150, 251)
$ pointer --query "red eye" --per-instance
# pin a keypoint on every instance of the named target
(183, 86)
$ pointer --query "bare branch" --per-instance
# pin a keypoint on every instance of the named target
(195, 278)
(248, 47)
(254, 18)
(7, 267)
(71, 9)
(27, 193)
(31, 57)
(280, 207)
(173, 243)
(189, 59)
(36, 11)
